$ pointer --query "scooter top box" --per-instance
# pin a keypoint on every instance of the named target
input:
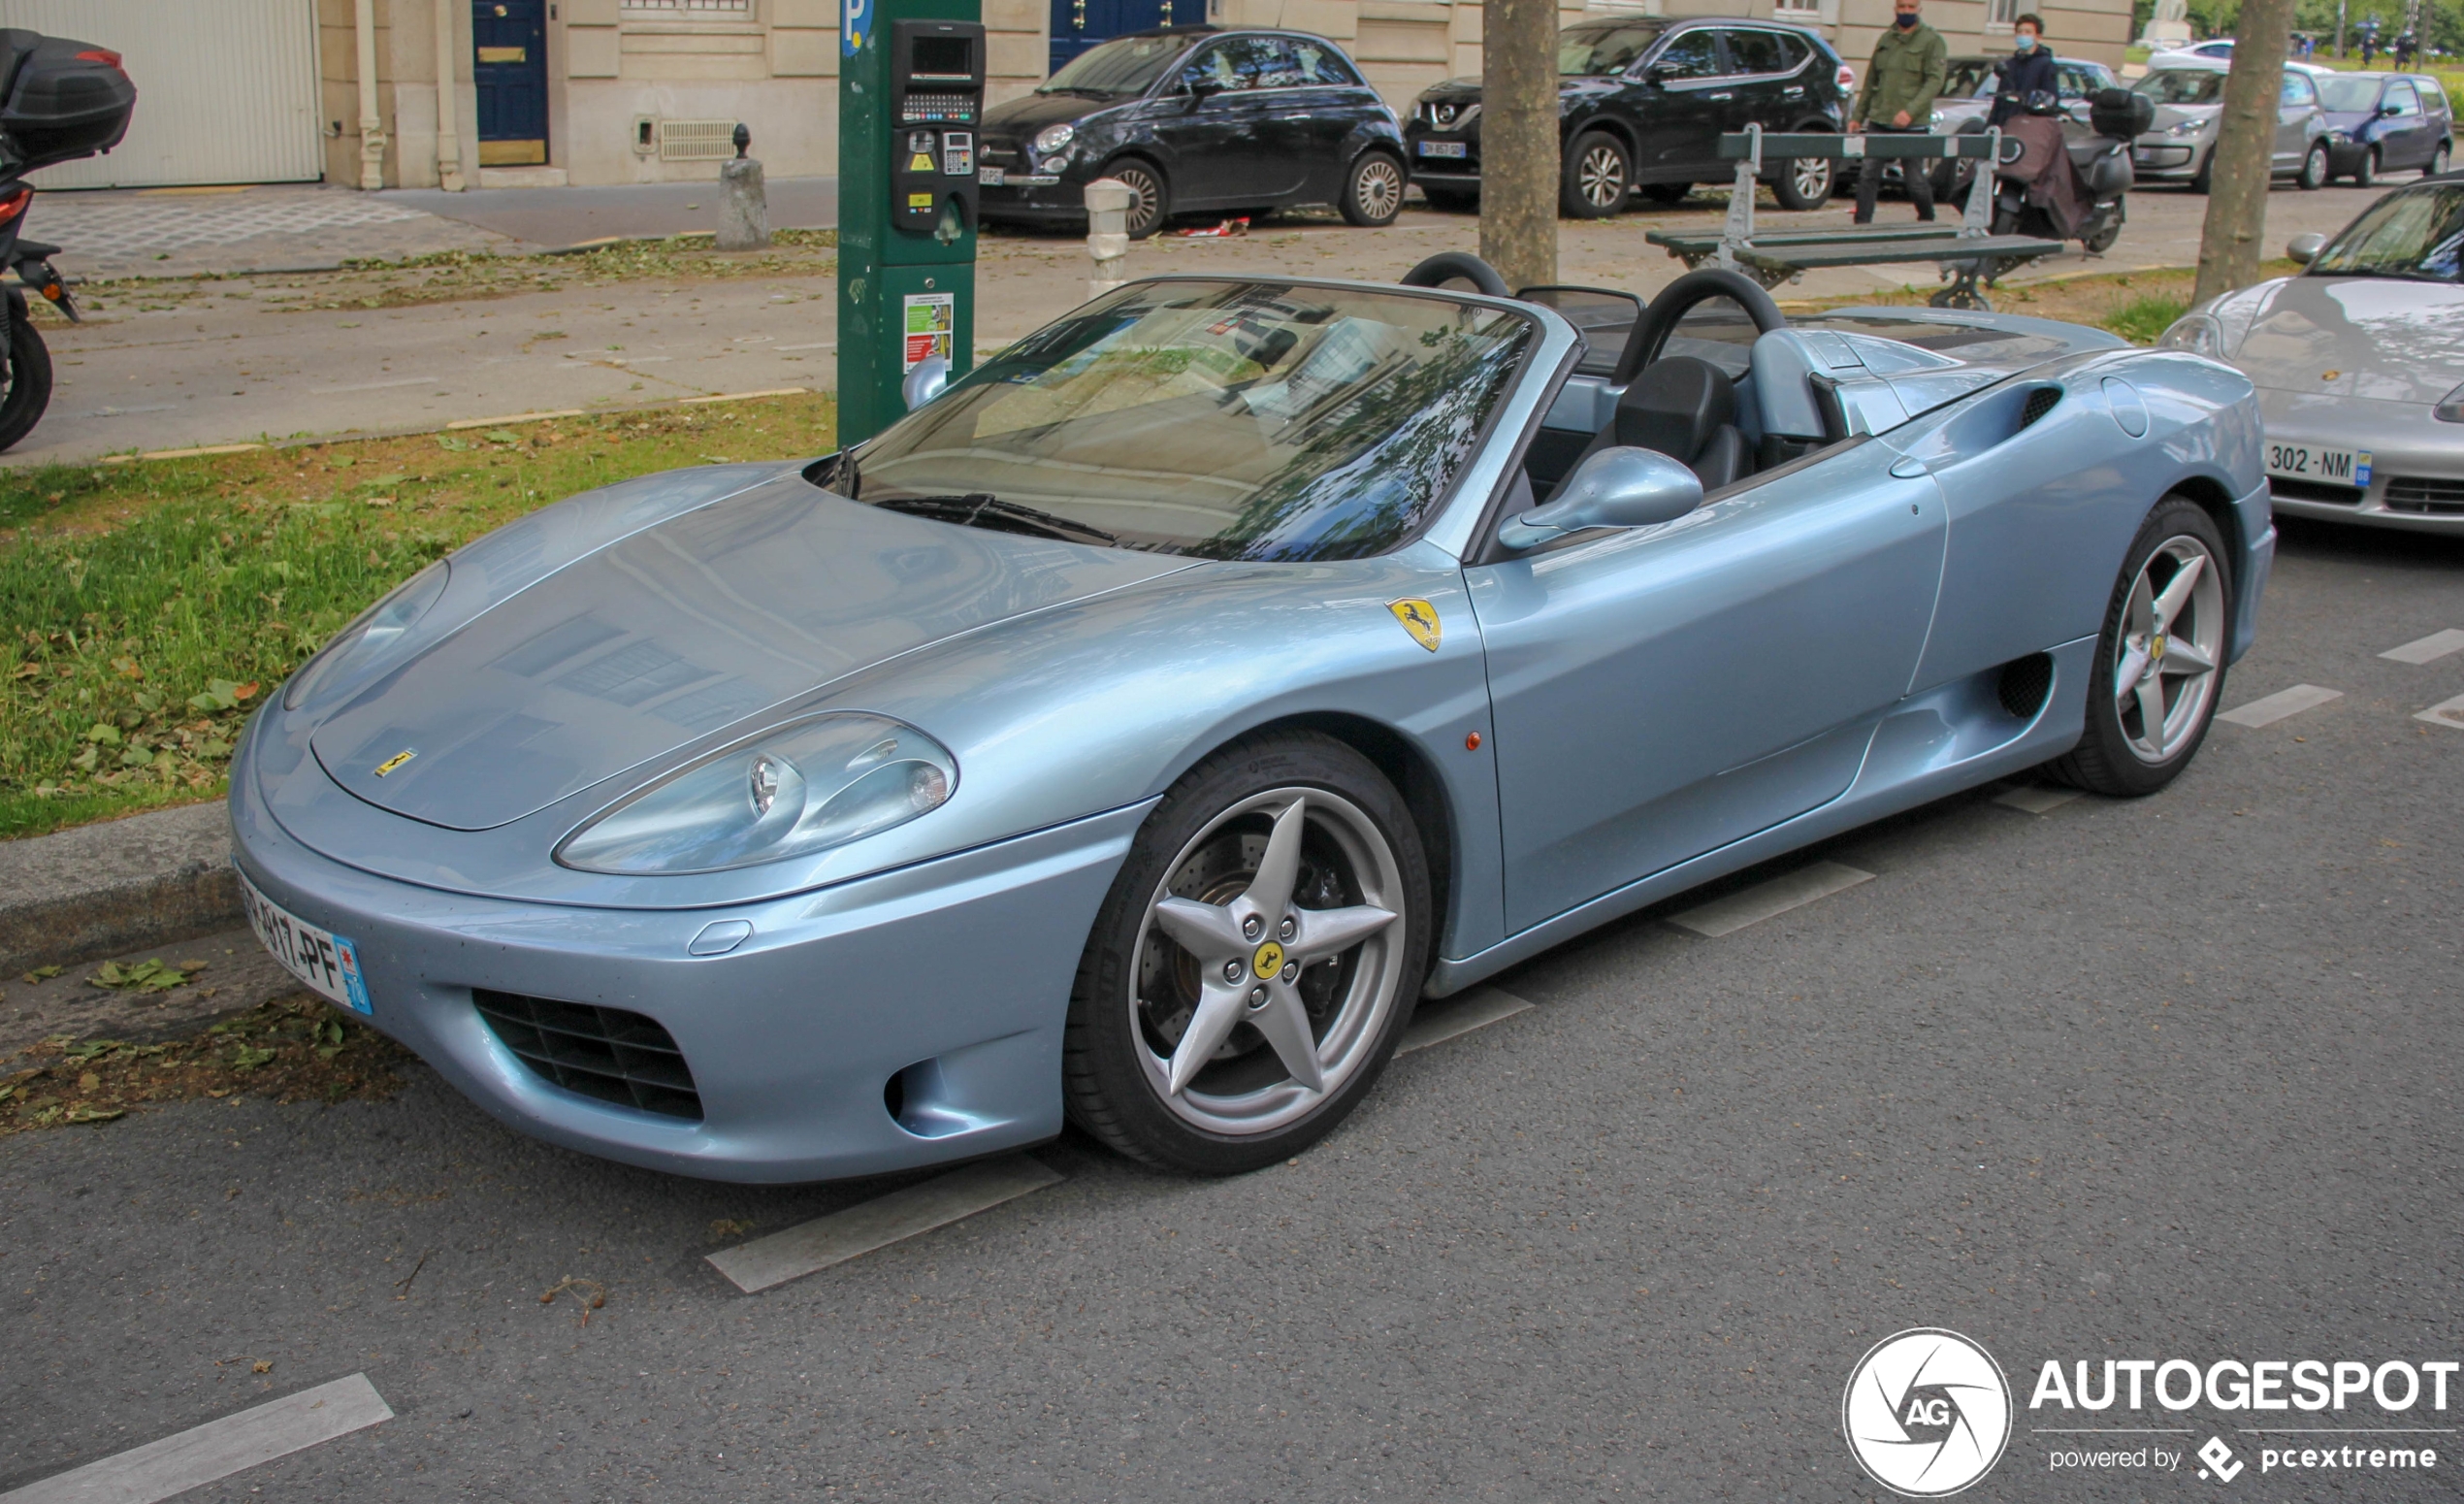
(59, 100)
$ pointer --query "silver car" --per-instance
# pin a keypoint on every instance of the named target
(2181, 146)
(2360, 364)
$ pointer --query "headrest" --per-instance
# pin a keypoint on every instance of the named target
(1674, 405)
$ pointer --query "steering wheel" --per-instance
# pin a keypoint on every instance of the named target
(1451, 265)
(1679, 298)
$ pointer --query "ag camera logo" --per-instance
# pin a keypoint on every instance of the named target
(1927, 1413)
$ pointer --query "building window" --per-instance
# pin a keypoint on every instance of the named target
(1999, 13)
(1797, 7)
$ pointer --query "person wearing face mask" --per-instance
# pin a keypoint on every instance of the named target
(1897, 98)
(2028, 72)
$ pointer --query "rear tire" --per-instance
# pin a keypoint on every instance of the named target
(2117, 754)
(29, 378)
(1152, 202)
(1598, 178)
(1372, 191)
(2206, 177)
(1804, 182)
(1141, 995)
(2314, 167)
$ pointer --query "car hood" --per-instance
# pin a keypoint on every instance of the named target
(2373, 338)
(2350, 119)
(2167, 116)
(1028, 113)
(679, 631)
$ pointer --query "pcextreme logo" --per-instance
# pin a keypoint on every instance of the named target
(1926, 1412)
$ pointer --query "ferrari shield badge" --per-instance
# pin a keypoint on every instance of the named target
(394, 761)
(1421, 619)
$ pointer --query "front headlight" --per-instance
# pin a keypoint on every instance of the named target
(2198, 333)
(799, 789)
(1052, 138)
(372, 643)
(2450, 407)
(2186, 127)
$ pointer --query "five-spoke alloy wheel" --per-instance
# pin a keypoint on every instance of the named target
(2160, 662)
(1255, 960)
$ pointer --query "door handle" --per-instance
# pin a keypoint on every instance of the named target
(1722, 94)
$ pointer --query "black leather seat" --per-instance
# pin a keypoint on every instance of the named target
(1685, 409)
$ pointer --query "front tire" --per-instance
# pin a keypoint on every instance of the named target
(1599, 176)
(1271, 923)
(2160, 664)
(1372, 191)
(1152, 202)
(29, 378)
(2367, 174)
(2314, 167)
(2438, 162)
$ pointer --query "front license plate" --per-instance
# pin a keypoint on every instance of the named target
(2314, 462)
(1446, 148)
(988, 176)
(326, 962)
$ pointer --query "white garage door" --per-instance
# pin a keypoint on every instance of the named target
(226, 89)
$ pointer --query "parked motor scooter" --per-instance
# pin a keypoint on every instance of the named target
(59, 100)
(2070, 183)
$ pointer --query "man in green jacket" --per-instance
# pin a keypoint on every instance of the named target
(1897, 98)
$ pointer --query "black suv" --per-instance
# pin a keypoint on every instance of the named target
(1643, 102)
(1196, 118)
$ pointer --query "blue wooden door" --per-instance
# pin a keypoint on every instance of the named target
(1079, 24)
(508, 74)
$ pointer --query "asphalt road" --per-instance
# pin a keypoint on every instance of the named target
(2158, 1079)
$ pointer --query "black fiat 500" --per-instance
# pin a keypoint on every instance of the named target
(1642, 103)
(1196, 118)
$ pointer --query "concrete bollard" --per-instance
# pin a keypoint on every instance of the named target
(1108, 201)
(744, 205)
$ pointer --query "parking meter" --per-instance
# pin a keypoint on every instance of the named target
(910, 103)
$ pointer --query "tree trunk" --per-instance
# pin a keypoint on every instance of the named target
(1518, 140)
(2230, 241)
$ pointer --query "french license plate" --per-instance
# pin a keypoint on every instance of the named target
(328, 962)
(1445, 149)
(988, 176)
(2313, 462)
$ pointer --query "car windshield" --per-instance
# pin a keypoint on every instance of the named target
(1221, 419)
(2418, 235)
(1971, 78)
(2348, 94)
(1605, 47)
(1120, 67)
(2183, 86)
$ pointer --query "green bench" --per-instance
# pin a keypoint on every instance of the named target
(1971, 257)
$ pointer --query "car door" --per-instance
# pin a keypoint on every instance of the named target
(1665, 691)
(1769, 74)
(2296, 105)
(1320, 102)
(1223, 158)
(1681, 120)
(2404, 142)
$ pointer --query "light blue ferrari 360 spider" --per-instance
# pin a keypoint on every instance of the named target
(1137, 731)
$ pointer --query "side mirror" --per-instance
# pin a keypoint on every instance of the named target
(929, 379)
(1202, 89)
(1615, 488)
(2305, 249)
(2391, 111)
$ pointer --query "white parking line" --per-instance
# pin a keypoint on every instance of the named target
(816, 1245)
(1753, 905)
(2035, 799)
(217, 1449)
(1456, 1016)
(2447, 712)
(2429, 649)
(2268, 709)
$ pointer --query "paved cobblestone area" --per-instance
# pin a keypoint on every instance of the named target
(184, 232)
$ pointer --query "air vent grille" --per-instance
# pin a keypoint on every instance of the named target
(605, 1053)
(2039, 403)
(697, 141)
(2315, 491)
(2427, 494)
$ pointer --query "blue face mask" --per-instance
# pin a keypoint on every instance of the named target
(1903, 22)
(2027, 42)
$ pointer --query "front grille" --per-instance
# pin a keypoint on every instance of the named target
(2424, 494)
(997, 149)
(2315, 491)
(605, 1053)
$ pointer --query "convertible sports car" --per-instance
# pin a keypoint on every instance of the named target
(1138, 729)
(2360, 364)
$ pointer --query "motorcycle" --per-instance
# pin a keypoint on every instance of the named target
(2070, 180)
(60, 101)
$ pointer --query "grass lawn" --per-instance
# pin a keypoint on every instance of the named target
(146, 609)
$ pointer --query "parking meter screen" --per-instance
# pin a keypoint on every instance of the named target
(943, 57)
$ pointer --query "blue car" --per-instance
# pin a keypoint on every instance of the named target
(1136, 732)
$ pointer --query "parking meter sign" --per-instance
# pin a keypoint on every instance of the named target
(930, 323)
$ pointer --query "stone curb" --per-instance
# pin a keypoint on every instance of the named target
(105, 889)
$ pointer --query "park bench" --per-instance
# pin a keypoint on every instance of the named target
(1971, 257)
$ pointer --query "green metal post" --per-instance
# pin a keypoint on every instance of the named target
(910, 103)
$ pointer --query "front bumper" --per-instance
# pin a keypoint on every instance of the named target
(966, 963)
(2417, 463)
(1046, 198)
(2165, 160)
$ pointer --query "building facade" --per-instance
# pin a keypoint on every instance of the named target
(547, 92)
